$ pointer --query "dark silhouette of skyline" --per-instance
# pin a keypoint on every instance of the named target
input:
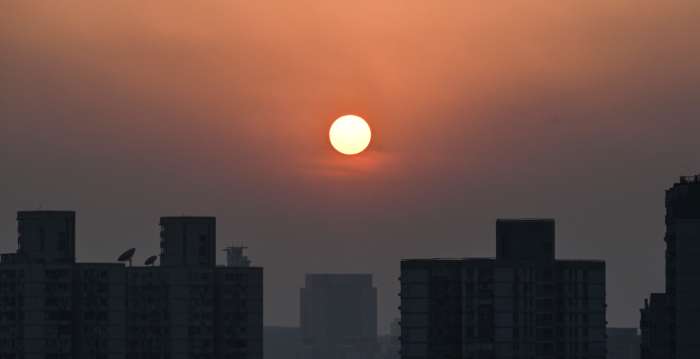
(187, 306)
(124, 111)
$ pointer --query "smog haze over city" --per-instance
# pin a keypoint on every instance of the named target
(580, 111)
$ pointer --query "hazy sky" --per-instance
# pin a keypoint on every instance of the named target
(581, 111)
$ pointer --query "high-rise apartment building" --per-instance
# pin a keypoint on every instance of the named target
(186, 308)
(339, 316)
(682, 297)
(189, 308)
(521, 304)
(683, 267)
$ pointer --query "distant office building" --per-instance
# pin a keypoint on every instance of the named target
(682, 269)
(654, 327)
(339, 316)
(623, 343)
(281, 342)
(391, 345)
(57, 309)
(395, 328)
(521, 304)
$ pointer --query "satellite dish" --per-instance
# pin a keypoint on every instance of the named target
(151, 260)
(126, 256)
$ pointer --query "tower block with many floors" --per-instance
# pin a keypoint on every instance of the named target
(682, 308)
(521, 304)
(185, 308)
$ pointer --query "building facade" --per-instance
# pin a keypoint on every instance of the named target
(654, 328)
(281, 342)
(671, 320)
(339, 317)
(683, 267)
(391, 345)
(623, 343)
(186, 308)
(521, 304)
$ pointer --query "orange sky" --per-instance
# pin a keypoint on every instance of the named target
(581, 111)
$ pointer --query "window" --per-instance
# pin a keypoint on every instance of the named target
(240, 277)
(439, 272)
(200, 303)
(199, 276)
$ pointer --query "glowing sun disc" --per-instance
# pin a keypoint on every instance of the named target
(350, 135)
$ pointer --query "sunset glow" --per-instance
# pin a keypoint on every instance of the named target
(350, 135)
(126, 111)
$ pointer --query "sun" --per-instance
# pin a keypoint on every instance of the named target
(350, 135)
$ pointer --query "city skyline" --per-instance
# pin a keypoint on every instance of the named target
(127, 112)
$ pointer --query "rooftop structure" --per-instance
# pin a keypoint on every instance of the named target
(187, 241)
(338, 316)
(235, 257)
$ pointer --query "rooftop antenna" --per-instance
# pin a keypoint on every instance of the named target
(126, 256)
(151, 260)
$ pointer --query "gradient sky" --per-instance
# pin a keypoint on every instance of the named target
(581, 111)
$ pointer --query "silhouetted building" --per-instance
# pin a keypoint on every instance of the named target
(339, 316)
(683, 267)
(682, 274)
(44, 236)
(395, 328)
(281, 342)
(391, 345)
(654, 328)
(622, 343)
(521, 304)
(57, 309)
(190, 308)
